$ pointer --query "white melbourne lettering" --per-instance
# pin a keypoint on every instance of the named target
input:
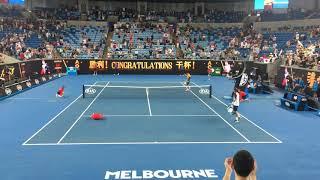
(112, 175)
(161, 174)
(90, 91)
(204, 91)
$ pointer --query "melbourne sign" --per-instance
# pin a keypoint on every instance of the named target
(162, 174)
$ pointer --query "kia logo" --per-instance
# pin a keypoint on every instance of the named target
(90, 91)
(204, 91)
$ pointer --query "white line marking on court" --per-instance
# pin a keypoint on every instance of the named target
(53, 118)
(144, 115)
(29, 98)
(148, 87)
(82, 114)
(139, 82)
(149, 143)
(149, 106)
(246, 118)
(34, 99)
(220, 116)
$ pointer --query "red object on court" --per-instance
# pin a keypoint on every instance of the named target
(97, 116)
(242, 95)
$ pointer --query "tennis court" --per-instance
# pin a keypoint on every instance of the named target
(43, 137)
(146, 113)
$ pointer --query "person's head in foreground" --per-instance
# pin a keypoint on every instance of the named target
(243, 164)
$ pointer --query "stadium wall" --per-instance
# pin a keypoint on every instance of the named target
(246, 5)
(211, 25)
(277, 24)
(304, 4)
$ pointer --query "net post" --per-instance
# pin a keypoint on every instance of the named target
(83, 90)
(210, 93)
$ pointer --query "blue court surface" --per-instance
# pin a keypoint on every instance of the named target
(152, 124)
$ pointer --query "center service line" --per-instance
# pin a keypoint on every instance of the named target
(82, 114)
(147, 92)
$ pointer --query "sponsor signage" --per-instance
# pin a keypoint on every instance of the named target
(161, 174)
(90, 91)
(204, 91)
(33, 68)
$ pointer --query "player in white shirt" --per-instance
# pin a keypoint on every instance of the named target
(236, 103)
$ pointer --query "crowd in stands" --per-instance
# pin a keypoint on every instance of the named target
(26, 39)
(227, 43)
(129, 15)
(298, 85)
(142, 41)
(22, 39)
(63, 13)
(297, 46)
(11, 11)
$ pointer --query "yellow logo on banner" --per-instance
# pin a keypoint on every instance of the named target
(209, 65)
(97, 64)
(186, 65)
(311, 78)
(10, 71)
(141, 65)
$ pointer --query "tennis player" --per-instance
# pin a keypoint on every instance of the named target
(236, 103)
(187, 83)
(95, 69)
(210, 70)
(60, 92)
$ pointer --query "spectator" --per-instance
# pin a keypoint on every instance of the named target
(243, 164)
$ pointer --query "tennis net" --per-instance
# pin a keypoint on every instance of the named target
(132, 92)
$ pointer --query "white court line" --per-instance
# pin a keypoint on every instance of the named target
(145, 115)
(137, 82)
(149, 106)
(247, 119)
(149, 143)
(82, 114)
(53, 118)
(30, 99)
(147, 87)
(220, 116)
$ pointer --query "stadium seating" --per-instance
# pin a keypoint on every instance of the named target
(145, 43)
(76, 38)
